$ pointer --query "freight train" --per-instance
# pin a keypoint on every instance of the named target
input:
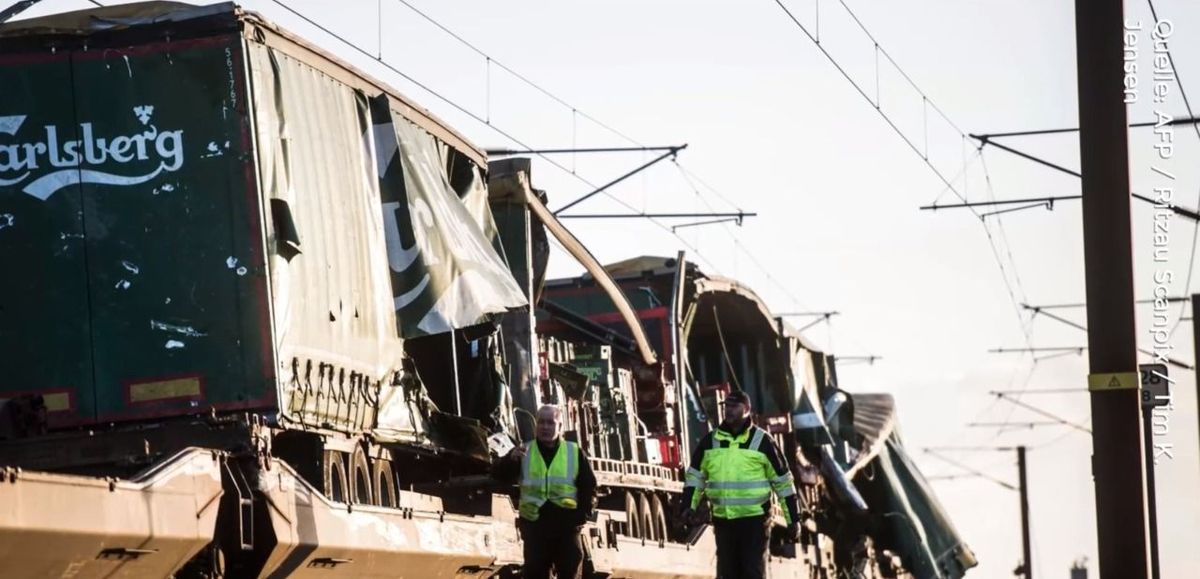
(264, 316)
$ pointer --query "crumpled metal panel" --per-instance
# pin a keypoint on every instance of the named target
(351, 169)
(517, 230)
(334, 324)
(444, 272)
(923, 533)
(925, 537)
(54, 525)
(874, 421)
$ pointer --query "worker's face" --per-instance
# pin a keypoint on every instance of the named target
(736, 412)
(548, 424)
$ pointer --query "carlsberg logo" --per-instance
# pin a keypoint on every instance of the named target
(71, 162)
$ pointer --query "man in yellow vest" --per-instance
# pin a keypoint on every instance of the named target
(737, 467)
(557, 492)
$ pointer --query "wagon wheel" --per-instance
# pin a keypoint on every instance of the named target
(633, 526)
(385, 484)
(658, 517)
(645, 519)
(360, 478)
(333, 468)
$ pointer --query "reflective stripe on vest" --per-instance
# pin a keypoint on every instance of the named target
(741, 484)
(554, 483)
(783, 485)
(758, 438)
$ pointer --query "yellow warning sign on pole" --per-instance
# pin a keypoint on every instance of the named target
(1113, 381)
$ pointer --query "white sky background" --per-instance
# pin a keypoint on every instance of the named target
(776, 129)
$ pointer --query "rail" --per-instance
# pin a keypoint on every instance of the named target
(636, 474)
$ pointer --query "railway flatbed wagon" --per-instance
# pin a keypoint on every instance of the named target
(253, 328)
(265, 317)
(230, 254)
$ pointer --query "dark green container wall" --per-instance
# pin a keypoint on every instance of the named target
(167, 281)
(187, 232)
(45, 344)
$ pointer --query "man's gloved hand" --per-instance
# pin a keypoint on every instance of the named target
(584, 516)
(793, 532)
(689, 516)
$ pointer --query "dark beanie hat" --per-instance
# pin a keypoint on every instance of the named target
(739, 397)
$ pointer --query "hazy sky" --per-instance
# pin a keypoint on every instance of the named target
(777, 130)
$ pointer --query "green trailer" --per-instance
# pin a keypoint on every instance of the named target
(201, 213)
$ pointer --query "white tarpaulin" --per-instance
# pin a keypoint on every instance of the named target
(445, 272)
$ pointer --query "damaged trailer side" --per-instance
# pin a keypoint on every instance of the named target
(236, 239)
(218, 216)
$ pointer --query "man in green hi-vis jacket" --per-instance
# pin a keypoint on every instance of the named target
(737, 467)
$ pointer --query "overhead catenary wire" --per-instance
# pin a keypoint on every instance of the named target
(1078, 349)
(936, 453)
(1057, 438)
(1168, 299)
(1048, 206)
(963, 173)
(1039, 411)
(692, 181)
(575, 112)
(1169, 360)
(739, 247)
(1031, 424)
(1189, 120)
(736, 220)
(1046, 391)
(482, 121)
(863, 92)
(696, 251)
(1026, 324)
(1008, 248)
(1019, 389)
(517, 75)
(1038, 132)
(926, 104)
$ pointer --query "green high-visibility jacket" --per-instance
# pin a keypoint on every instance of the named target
(554, 482)
(738, 473)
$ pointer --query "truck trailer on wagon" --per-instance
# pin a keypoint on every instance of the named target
(267, 317)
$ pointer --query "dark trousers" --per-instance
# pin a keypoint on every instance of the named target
(741, 547)
(548, 545)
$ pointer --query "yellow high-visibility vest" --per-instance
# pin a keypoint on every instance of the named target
(738, 479)
(554, 483)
